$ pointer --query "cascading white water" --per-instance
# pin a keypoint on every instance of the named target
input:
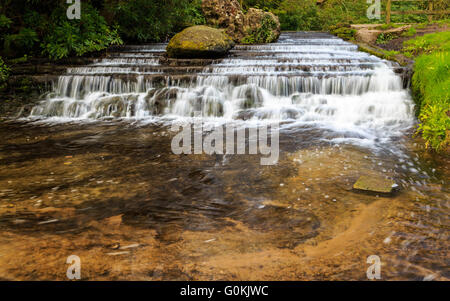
(304, 79)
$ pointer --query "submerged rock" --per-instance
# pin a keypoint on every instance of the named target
(199, 42)
(375, 184)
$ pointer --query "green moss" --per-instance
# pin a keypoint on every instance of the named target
(381, 53)
(374, 184)
(199, 41)
(344, 31)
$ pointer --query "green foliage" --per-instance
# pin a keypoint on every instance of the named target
(5, 22)
(385, 37)
(67, 37)
(263, 34)
(431, 87)
(390, 54)
(428, 44)
(334, 12)
(24, 40)
(155, 20)
(4, 73)
(19, 60)
(298, 15)
(266, 5)
(410, 32)
(344, 31)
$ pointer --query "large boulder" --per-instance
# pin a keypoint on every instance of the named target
(199, 42)
(225, 14)
(261, 26)
(257, 26)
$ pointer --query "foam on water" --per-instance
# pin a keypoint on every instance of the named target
(303, 80)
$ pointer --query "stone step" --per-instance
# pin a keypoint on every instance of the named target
(219, 69)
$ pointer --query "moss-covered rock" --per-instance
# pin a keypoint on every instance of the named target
(261, 27)
(199, 42)
(375, 184)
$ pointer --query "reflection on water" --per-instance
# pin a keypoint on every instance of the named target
(115, 195)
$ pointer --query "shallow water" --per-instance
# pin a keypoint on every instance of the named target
(95, 176)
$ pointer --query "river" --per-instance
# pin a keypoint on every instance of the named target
(91, 172)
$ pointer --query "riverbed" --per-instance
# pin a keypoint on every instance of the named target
(90, 171)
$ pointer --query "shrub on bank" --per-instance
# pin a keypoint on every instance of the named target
(154, 20)
(89, 34)
(263, 34)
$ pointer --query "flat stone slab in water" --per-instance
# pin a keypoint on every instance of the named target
(374, 184)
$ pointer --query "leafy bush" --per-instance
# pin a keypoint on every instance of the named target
(5, 22)
(22, 42)
(263, 34)
(67, 37)
(155, 20)
(385, 37)
(298, 15)
(334, 12)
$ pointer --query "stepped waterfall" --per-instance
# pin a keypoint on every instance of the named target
(305, 79)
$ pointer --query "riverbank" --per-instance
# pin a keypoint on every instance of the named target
(424, 48)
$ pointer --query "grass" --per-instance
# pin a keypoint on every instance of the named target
(431, 86)
(427, 44)
(410, 32)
